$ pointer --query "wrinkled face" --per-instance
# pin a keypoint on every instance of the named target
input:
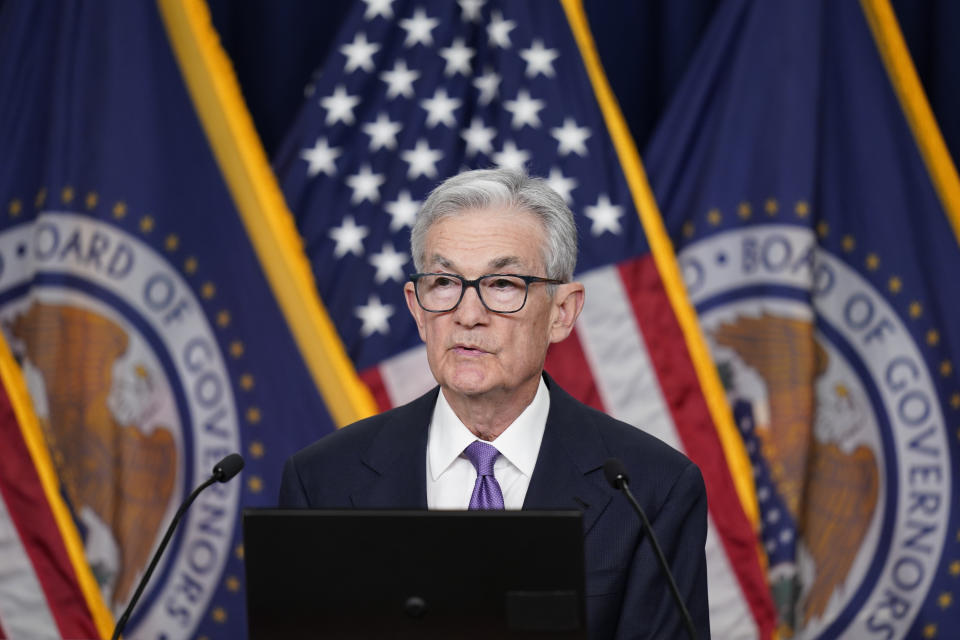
(473, 351)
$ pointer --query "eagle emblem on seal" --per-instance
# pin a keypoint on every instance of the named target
(830, 490)
(122, 470)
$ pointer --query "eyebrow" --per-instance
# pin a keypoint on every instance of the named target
(494, 265)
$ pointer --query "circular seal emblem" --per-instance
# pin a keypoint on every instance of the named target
(133, 394)
(842, 422)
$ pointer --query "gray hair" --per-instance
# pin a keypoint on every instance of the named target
(503, 189)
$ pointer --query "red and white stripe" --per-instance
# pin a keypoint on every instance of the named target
(628, 358)
(39, 593)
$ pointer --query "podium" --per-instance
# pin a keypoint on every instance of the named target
(414, 574)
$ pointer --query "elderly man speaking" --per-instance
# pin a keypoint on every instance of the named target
(495, 252)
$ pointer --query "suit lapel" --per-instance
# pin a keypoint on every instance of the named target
(568, 473)
(397, 456)
(569, 470)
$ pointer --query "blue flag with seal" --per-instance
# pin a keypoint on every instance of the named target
(815, 210)
(150, 288)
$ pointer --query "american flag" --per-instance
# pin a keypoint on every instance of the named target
(413, 92)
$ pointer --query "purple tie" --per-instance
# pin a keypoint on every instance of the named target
(486, 493)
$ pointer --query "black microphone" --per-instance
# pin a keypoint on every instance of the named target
(617, 476)
(222, 472)
(228, 467)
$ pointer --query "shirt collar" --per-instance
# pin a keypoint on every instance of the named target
(519, 443)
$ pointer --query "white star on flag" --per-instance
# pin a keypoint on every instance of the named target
(458, 57)
(440, 109)
(374, 315)
(571, 138)
(539, 59)
(561, 184)
(422, 160)
(389, 264)
(419, 28)
(349, 237)
(399, 80)
(510, 157)
(339, 106)
(605, 216)
(383, 133)
(525, 110)
(470, 9)
(359, 54)
(403, 211)
(321, 157)
(478, 137)
(365, 185)
(498, 31)
(488, 85)
(376, 8)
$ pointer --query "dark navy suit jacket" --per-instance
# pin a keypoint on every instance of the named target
(380, 462)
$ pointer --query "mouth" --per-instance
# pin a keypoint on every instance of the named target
(468, 350)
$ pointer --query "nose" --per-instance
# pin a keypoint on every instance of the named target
(470, 311)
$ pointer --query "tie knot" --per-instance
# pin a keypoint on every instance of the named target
(482, 455)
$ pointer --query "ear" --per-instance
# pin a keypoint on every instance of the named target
(567, 305)
(415, 309)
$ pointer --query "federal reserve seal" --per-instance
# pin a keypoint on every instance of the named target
(134, 397)
(841, 418)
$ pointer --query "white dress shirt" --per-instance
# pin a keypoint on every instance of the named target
(451, 476)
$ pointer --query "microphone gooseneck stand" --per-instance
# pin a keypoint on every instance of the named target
(616, 475)
(223, 471)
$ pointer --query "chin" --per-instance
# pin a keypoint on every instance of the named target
(470, 389)
(469, 383)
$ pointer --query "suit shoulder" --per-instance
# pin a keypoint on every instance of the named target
(621, 439)
(642, 452)
(353, 437)
(656, 469)
(620, 435)
(358, 436)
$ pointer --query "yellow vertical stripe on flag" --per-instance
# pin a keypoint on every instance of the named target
(12, 379)
(663, 255)
(219, 104)
(916, 108)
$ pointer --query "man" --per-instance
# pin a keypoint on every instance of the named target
(495, 253)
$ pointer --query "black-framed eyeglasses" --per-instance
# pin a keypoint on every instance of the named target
(498, 292)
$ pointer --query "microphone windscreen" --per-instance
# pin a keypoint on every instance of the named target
(228, 467)
(615, 472)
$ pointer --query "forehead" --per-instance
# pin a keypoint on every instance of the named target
(479, 240)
